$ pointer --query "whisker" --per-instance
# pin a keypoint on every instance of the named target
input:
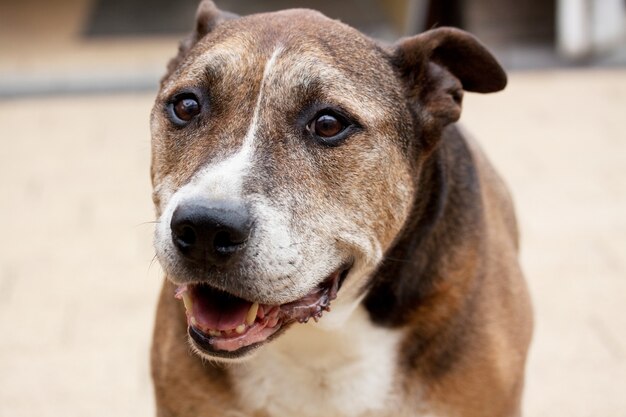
(145, 223)
(151, 263)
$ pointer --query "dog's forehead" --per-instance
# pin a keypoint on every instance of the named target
(298, 29)
(311, 47)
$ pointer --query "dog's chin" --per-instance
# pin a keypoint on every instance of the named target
(224, 327)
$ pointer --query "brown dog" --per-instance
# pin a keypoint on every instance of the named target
(298, 166)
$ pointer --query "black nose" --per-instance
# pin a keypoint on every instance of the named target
(206, 232)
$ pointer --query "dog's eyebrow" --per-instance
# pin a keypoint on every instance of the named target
(210, 74)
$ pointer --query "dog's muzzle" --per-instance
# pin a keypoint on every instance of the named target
(212, 236)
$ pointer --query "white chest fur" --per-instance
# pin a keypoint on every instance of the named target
(312, 372)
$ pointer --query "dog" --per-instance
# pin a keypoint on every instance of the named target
(333, 245)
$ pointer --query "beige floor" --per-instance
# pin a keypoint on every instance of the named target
(77, 288)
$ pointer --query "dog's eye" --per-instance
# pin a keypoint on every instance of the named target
(184, 108)
(328, 127)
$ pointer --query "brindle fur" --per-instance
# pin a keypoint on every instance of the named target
(449, 280)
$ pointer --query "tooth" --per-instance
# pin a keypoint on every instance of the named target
(251, 317)
(214, 333)
(187, 301)
(193, 321)
(180, 291)
(240, 329)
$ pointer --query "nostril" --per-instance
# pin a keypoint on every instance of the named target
(226, 242)
(186, 235)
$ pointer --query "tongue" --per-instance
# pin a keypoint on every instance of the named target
(218, 311)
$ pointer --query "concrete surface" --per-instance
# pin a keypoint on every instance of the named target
(78, 290)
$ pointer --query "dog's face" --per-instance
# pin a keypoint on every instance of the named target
(284, 166)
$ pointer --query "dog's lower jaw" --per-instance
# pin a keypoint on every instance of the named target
(336, 320)
(224, 328)
(347, 371)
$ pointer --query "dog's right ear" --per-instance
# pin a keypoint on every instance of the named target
(208, 17)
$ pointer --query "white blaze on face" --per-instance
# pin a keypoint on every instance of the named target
(288, 254)
(218, 180)
(284, 264)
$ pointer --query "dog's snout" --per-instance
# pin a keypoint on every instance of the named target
(210, 233)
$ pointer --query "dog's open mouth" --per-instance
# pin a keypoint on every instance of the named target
(221, 322)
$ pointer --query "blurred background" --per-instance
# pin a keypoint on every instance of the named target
(78, 281)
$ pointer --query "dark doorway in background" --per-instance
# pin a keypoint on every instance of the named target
(171, 17)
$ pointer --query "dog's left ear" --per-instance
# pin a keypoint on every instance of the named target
(437, 65)
(208, 17)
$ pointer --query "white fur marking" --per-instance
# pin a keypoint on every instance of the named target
(311, 372)
(255, 118)
(223, 179)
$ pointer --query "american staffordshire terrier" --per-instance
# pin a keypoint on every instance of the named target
(332, 244)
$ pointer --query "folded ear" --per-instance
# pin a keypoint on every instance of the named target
(208, 17)
(439, 64)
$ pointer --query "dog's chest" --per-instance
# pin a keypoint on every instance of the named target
(310, 372)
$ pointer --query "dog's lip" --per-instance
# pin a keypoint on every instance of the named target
(249, 324)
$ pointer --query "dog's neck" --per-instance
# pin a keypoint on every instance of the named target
(436, 233)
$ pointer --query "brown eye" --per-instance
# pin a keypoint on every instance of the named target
(184, 108)
(326, 126)
(331, 127)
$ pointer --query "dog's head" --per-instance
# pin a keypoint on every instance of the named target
(286, 152)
